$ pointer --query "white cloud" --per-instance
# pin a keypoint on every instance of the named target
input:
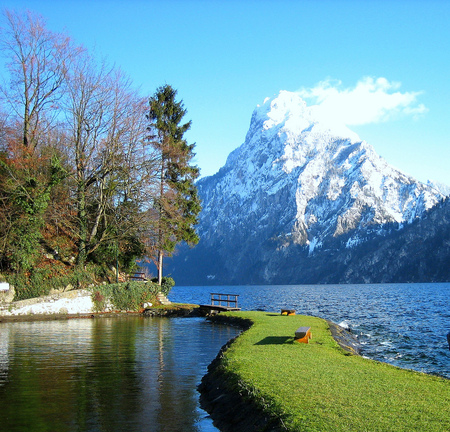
(372, 100)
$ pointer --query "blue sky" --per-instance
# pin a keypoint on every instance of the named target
(389, 59)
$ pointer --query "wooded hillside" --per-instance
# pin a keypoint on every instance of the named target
(80, 164)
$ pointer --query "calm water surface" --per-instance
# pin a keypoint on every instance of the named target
(402, 324)
(140, 374)
(122, 374)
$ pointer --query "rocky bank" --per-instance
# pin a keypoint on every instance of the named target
(73, 304)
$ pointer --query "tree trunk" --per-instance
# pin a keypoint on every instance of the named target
(160, 231)
(82, 226)
(160, 267)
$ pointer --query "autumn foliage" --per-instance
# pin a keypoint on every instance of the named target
(80, 174)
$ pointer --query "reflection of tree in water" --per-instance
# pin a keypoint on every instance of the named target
(177, 389)
(4, 358)
(106, 375)
(38, 392)
(108, 389)
(168, 401)
(69, 375)
(176, 360)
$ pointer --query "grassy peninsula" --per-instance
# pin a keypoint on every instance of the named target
(320, 387)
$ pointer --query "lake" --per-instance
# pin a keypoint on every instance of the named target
(106, 374)
(140, 374)
(402, 324)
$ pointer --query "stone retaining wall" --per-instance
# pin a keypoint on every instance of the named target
(70, 302)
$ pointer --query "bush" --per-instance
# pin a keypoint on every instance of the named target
(127, 296)
(167, 284)
(99, 301)
(130, 250)
(45, 277)
(25, 287)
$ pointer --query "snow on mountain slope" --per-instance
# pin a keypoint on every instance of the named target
(296, 182)
(441, 187)
(336, 181)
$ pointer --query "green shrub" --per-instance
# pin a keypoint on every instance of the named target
(99, 301)
(127, 296)
(131, 249)
(25, 287)
(40, 280)
(167, 284)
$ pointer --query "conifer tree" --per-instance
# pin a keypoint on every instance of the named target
(177, 204)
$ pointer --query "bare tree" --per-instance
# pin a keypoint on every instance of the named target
(112, 163)
(74, 134)
(37, 63)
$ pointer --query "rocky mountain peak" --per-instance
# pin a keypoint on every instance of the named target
(300, 181)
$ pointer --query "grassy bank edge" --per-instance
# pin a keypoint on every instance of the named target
(321, 387)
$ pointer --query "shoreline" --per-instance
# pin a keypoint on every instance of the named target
(79, 304)
(248, 387)
(231, 408)
(233, 412)
(150, 312)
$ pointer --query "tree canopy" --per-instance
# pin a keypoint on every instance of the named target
(88, 173)
(177, 202)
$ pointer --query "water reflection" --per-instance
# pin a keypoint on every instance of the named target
(133, 374)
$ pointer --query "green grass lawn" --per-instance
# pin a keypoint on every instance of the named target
(320, 387)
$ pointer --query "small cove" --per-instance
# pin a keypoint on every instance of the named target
(140, 374)
(106, 374)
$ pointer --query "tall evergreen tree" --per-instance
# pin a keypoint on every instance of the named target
(177, 204)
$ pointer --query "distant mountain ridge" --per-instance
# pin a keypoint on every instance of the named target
(296, 189)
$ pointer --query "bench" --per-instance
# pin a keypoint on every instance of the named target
(287, 311)
(303, 334)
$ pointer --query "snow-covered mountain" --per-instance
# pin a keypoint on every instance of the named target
(441, 187)
(295, 188)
